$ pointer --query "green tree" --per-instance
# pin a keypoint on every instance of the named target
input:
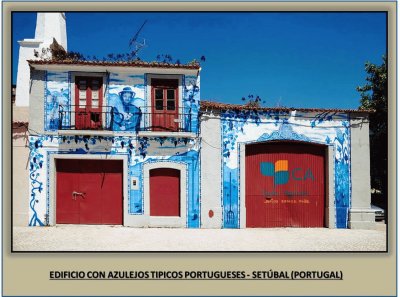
(374, 95)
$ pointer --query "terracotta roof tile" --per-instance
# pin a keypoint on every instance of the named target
(120, 64)
(225, 106)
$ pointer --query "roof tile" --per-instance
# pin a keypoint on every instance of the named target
(225, 106)
(119, 63)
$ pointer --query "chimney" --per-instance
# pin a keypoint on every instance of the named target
(48, 26)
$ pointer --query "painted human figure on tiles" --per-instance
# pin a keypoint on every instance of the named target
(57, 98)
(126, 116)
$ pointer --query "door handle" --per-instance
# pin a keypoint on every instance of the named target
(75, 193)
(268, 199)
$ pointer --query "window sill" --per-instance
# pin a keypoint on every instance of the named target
(128, 133)
(86, 132)
(166, 134)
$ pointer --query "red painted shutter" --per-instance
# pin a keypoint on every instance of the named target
(164, 192)
(88, 102)
(285, 185)
(67, 208)
(165, 104)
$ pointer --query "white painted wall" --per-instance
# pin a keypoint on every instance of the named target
(20, 168)
(211, 182)
(361, 214)
(48, 26)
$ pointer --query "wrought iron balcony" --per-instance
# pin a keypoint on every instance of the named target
(74, 117)
(132, 119)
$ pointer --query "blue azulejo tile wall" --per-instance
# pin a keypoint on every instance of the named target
(251, 126)
(138, 151)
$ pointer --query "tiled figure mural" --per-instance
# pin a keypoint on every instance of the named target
(139, 151)
(242, 127)
(57, 95)
(126, 95)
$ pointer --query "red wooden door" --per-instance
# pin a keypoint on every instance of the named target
(165, 104)
(67, 207)
(164, 192)
(89, 192)
(285, 185)
(88, 102)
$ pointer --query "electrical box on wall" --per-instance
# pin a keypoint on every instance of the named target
(134, 183)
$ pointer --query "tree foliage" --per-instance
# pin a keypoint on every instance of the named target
(374, 95)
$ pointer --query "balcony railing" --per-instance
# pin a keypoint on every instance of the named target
(82, 118)
(132, 119)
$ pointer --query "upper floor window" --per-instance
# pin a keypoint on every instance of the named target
(165, 104)
(88, 102)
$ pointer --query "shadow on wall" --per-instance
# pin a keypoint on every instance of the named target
(20, 131)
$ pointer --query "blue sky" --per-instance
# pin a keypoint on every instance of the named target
(288, 59)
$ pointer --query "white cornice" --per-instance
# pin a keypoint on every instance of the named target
(27, 42)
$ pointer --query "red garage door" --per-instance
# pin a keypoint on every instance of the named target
(89, 192)
(164, 192)
(285, 185)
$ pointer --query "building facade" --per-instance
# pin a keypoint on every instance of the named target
(132, 144)
(114, 144)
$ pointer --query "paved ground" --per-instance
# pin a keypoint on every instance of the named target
(112, 238)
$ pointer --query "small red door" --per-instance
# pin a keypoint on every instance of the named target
(285, 185)
(89, 192)
(164, 192)
(88, 102)
(165, 104)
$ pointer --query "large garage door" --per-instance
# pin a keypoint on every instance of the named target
(89, 192)
(285, 185)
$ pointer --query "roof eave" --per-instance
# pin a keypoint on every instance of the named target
(94, 67)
